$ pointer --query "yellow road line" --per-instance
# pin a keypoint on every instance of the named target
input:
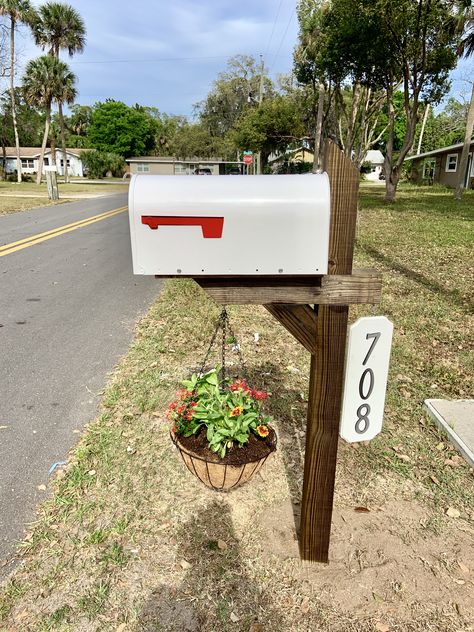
(55, 232)
(60, 228)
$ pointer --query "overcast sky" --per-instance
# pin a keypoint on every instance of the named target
(166, 53)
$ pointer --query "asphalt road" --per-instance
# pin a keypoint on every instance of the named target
(68, 305)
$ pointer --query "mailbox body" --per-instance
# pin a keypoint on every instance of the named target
(229, 225)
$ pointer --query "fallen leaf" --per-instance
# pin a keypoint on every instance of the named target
(256, 627)
(452, 462)
(452, 512)
(382, 627)
(463, 568)
(435, 480)
(304, 607)
(91, 472)
(185, 565)
(361, 510)
(233, 617)
(42, 488)
(440, 446)
(221, 545)
(404, 457)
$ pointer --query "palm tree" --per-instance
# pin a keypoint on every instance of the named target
(18, 11)
(60, 27)
(466, 23)
(44, 82)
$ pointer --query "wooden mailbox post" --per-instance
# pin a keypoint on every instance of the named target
(314, 309)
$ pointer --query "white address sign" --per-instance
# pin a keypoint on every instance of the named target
(367, 360)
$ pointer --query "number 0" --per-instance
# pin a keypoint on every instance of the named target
(362, 384)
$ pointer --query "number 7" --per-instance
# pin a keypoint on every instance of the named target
(375, 337)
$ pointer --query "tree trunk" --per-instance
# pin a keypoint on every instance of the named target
(465, 150)
(390, 189)
(319, 129)
(43, 146)
(391, 183)
(63, 142)
(12, 95)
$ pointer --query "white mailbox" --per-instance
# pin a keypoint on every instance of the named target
(229, 225)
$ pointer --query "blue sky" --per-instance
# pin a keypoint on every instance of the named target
(166, 53)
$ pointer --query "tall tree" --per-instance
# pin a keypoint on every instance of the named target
(43, 82)
(18, 11)
(120, 129)
(381, 44)
(308, 62)
(234, 91)
(273, 126)
(467, 49)
(60, 27)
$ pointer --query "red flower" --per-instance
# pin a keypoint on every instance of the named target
(263, 431)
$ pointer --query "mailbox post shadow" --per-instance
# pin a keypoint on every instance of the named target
(208, 549)
(289, 411)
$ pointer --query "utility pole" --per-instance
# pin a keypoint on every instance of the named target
(422, 131)
(260, 98)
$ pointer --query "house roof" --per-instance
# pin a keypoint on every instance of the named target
(442, 150)
(34, 152)
(168, 159)
(375, 156)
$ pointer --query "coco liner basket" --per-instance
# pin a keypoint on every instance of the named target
(218, 427)
(221, 474)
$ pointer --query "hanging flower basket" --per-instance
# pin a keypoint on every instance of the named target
(235, 469)
(218, 425)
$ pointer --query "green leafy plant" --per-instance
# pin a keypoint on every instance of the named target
(228, 412)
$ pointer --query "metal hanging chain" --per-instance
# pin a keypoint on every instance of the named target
(224, 324)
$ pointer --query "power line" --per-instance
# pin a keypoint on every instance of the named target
(150, 61)
(283, 37)
(273, 28)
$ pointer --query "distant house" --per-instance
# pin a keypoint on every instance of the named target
(30, 159)
(168, 166)
(291, 156)
(376, 160)
(441, 166)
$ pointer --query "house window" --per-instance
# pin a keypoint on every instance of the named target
(46, 162)
(179, 169)
(451, 163)
(143, 167)
(27, 163)
(67, 161)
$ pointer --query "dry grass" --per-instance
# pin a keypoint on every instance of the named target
(15, 204)
(100, 187)
(129, 541)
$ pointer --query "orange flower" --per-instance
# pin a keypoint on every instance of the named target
(238, 410)
(263, 431)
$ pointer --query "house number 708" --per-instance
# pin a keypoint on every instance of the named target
(366, 373)
(365, 390)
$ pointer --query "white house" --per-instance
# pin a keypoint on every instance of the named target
(30, 160)
(376, 159)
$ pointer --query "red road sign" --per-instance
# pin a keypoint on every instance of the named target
(248, 159)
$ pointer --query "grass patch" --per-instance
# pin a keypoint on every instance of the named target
(129, 537)
(9, 205)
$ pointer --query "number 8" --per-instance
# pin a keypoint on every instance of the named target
(362, 417)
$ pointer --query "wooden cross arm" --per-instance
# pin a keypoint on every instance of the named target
(362, 286)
